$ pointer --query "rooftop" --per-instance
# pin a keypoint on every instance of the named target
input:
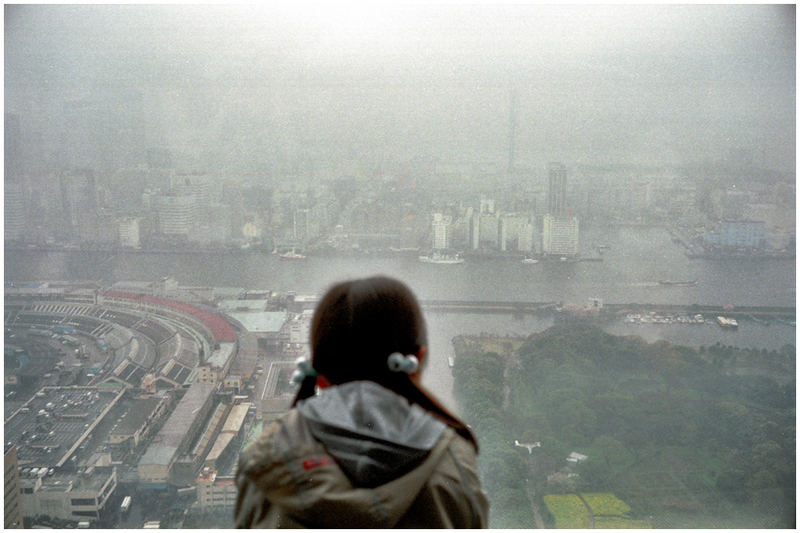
(48, 426)
(220, 357)
(260, 322)
(136, 415)
(220, 329)
(243, 305)
(89, 480)
(166, 443)
(236, 418)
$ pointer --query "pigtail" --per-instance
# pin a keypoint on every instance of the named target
(307, 389)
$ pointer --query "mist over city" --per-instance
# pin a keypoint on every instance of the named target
(237, 88)
(595, 206)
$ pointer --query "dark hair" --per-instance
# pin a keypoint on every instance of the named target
(357, 325)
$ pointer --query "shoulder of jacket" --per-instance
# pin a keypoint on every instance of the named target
(455, 484)
(286, 434)
(462, 449)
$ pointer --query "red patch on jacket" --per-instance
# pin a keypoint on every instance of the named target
(315, 462)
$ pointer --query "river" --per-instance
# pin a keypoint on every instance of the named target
(636, 259)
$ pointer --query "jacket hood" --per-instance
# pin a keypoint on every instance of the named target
(308, 478)
(374, 434)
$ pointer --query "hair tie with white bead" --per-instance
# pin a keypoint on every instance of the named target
(304, 370)
(403, 363)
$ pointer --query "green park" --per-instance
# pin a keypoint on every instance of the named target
(622, 433)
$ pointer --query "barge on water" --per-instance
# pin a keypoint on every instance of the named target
(667, 282)
(727, 322)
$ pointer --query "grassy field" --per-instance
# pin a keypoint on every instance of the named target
(605, 503)
(609, 512)
(568, 511)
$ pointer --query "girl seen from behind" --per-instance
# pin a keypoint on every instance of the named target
(372, 449)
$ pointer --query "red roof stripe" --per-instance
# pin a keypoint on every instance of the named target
(222, 331)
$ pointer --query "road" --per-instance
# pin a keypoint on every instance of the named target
(531, 492)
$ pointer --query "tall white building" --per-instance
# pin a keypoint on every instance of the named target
(129, 232)
(475, 231)
(525, 243)
(301, 224)
(560, 235)
(14, 214)
(440, 231)
(176, 214)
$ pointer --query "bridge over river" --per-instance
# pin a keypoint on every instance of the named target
(465, 306)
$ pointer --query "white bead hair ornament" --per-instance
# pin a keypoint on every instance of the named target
(403, 363)
(304, 370)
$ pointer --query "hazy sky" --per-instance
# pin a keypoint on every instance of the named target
(630, 84)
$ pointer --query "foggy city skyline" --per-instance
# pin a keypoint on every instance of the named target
(237, 87)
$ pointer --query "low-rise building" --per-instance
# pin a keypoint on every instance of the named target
(175, 436)
(227, 444)
(136, 424)
(75, 496)
(215, 491)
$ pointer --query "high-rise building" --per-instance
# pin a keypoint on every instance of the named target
(512, 129)
(176, 214)
(511, 228)
(440, 230)
(129, 232)
(525, 243)
(502, 233)
(14, 215)
(300, 224)
(475, 231)
(559, 227)
(198, 185)
(79, 204)
(560, 235)
(12, 499)
(557, 189)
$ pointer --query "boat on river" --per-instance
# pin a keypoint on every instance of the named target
(666, 282)
(726, 322)
(292, 255)
(442, 259)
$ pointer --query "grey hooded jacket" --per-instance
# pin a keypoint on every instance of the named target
(359, 456)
